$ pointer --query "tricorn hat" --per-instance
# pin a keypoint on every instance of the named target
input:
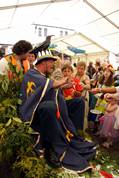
(44, 58)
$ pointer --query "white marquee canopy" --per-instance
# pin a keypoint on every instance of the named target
(95, 22)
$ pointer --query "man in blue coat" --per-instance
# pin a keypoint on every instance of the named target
(44, 107)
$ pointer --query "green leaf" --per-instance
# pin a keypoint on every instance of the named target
(19, 101)
(16, 119)
(31, 131)
(8, 123)
(5, 85)
(17, 70)
(6, 101)
(2, 109)
(2, 131)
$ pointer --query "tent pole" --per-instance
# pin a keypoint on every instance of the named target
(31, 4)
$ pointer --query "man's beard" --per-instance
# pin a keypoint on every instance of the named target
(48, 74)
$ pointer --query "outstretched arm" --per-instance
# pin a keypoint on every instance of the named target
(60, 83)
(104, 90)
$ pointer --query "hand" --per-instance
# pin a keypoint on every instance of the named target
(64, 80)
(60, 83)
(94, 90)
(108, 97)
(67, 83)
(76, 94)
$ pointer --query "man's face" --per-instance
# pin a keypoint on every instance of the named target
(49, 66)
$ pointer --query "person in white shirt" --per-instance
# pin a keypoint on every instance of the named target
(18, 58)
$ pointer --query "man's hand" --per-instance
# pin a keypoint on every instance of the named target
(94, 90)
(68, 83)
(63, 82)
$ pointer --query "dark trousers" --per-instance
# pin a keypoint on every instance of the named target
(76, 110)
(46, 123)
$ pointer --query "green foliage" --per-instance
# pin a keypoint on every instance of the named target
(14, 139)
(8, 109)
(32, 167)
(9, 92)
(35, 167)
(9, 88)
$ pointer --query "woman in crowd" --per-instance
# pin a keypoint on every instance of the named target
(72, 95)
(106, 80)
(18, 59)
(85, 81)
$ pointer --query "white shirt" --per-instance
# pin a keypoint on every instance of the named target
(3, 66)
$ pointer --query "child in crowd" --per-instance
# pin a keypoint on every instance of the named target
(107, 121)
(75, 88)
